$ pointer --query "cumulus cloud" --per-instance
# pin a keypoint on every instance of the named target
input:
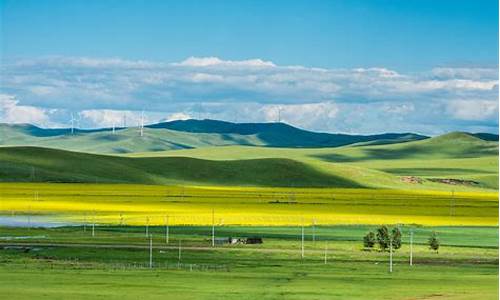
(310, 115)
(215, 61)
(473, 110)
(250, 90)
(12, 112)
(177, 116)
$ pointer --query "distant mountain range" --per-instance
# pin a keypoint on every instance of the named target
(188, 134)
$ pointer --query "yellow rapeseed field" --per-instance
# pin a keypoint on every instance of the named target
(177, 205)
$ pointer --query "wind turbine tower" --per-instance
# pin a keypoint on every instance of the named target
(72, 124)
(142, 123)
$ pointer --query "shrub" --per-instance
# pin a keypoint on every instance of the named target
(434, 242)
(369, 240)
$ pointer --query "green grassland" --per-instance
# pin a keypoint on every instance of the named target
(458, 156)
(68, 262)
(20, 164)
(455, 155)
(183, 135)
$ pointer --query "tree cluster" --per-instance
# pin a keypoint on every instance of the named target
(384, 236)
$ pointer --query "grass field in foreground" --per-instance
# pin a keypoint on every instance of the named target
(274, 270)
(141, 204)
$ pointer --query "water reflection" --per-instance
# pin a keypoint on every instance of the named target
(32, 221)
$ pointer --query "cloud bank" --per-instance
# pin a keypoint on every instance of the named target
(45, 90)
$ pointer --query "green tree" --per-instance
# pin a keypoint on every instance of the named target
(434, 242)
(369, 240)
(396, 238)
(383, 237)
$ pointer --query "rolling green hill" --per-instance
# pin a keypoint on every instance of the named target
(283, 135)
(184, 135)
(36, 164)
(455, 160)
(451, 145)
(456, 155)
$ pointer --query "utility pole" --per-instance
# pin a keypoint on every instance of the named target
(179, 259)
(93, 226)
(314, 230)
(411, 248)
(29, 217)
(166, 229)
(452, 203)
(213, 228)
(147, 226)
(151, 251)
(302, 247)
(390, 255)
(326, 252)
(85, 222)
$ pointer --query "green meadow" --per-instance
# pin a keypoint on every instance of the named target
(64, 263)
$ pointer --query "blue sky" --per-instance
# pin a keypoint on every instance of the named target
(373, 61)
(402, 35)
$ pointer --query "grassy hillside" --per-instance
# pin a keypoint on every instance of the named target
(50, 165)
(457, 160)
(281, 134)
(124, 140)
(455, 155)
(183, 135)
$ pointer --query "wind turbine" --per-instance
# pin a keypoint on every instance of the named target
(72, 123)
(142, 123)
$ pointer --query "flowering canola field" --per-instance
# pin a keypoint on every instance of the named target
(195, 205)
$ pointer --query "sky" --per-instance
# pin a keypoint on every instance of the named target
(346, 66)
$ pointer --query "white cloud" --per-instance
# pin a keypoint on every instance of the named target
(178, 116)
(398, 109)
(247, 90)
(215, 61)
(473, 110)
(12, 112)
(310, 115)
(469, 73)
(118, 118)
